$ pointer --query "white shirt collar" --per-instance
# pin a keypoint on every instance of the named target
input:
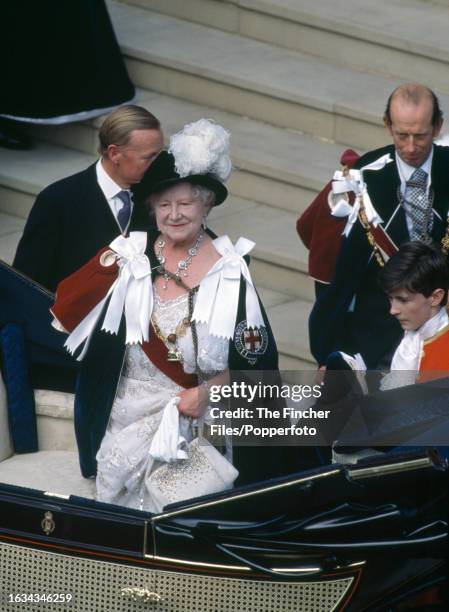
(433, 325)
(408, 353)
(110, 190)
(108, 186)
(407, 357)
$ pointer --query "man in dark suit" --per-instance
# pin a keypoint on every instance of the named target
(352, 313)
(76, 216)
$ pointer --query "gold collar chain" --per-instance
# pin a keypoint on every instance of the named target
(171, 340)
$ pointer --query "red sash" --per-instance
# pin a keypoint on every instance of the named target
(157, 352)
(383, 241)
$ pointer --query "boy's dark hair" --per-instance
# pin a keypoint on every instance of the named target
(418, 268)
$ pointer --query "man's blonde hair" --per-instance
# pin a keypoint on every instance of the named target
(117, 127)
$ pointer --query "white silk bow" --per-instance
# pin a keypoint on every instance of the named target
(218, 296)
(131, 292)
(343, 183)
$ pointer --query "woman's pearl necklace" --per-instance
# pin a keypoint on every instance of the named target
(183, 264)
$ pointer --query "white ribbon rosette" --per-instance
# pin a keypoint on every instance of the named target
(131, 292)
(218, 295)
(344, 182)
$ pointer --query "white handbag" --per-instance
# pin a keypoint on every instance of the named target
(202, 471)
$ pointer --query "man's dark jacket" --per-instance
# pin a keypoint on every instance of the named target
(370, 329)
(69, 223)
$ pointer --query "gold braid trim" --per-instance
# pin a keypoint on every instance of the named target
(445, 242)
(366, 226)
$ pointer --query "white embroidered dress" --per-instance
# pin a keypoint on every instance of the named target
(124, 462)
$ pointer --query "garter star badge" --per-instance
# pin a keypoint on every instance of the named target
(250, 343)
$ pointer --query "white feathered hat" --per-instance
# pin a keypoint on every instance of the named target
(198, 154)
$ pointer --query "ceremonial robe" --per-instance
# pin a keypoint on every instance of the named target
(63, 62)
(100, 373)
(369, 329)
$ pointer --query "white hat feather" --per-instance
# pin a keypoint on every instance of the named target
(202, 147)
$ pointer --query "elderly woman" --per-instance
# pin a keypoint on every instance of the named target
(195, 304)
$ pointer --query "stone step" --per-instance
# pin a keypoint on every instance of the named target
(289, 320)
(281, 87)
(279, 259)
(272, 165)
(11, 228)
(23, 174)
(405, 38)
